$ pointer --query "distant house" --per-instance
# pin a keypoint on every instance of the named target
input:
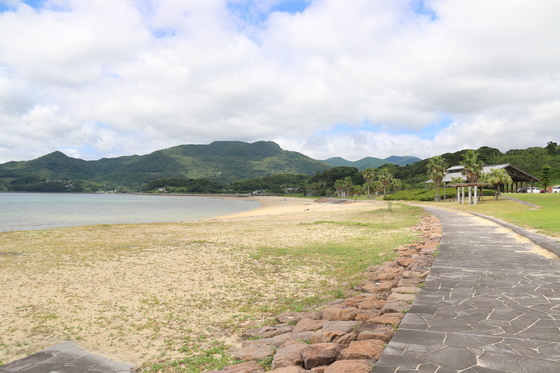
(519, 177)
(292, 190)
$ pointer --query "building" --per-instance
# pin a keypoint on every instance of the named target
(519, 177)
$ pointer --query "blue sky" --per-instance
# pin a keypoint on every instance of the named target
(323, 77)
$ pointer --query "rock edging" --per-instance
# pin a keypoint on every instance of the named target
(350, 334)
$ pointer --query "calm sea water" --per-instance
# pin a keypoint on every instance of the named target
(28, 211)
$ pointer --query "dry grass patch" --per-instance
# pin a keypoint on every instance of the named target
(144, 293)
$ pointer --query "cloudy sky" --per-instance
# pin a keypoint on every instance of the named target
(350, 78)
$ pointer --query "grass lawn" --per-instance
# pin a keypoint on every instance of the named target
(545, 219)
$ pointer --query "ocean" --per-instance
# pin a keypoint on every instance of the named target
(30, 211)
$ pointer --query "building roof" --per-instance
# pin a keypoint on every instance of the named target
(515, 173)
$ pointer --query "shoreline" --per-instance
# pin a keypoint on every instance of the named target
(45, 211)
(133, 291)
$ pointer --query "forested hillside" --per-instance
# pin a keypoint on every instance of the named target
(231, 166)
(220, 162)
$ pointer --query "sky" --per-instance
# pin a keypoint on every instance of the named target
(326, 78)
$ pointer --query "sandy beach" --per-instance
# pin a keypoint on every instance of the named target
(139, 292)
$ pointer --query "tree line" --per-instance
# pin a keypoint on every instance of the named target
(337, 181)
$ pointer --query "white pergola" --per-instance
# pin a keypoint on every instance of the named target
(472, 190)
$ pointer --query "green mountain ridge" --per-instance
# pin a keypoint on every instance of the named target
(371, 162)
(224, 163)
(220, 161)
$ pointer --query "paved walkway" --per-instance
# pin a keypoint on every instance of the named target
(65, 357)
(491, 303)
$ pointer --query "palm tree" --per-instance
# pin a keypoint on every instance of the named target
(436, 172)
(369, 176)
(472, 166)
(344, 186)
(497, 177)
(385, 178)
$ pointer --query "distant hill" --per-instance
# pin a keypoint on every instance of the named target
(371, 162)
(221, 161)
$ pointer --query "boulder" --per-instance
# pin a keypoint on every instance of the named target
(404, 262)
(354, 366)
(359, 299)
(288, 355)
(395, 306)
(253, 352)
(273, 331)
(400, 297)
(393, 319)
(320, 354)
(406, 282)
(364, 315)
(328, 336)
(344, 326)
(306, 325)
(366, 349)
(383, 333)
(406, 290)
(376, 287)
(277, 341)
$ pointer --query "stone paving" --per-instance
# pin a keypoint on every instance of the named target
(491, 303)
(65, 357)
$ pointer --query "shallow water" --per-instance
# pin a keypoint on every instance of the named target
(29, 211)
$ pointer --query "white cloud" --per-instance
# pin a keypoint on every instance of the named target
(121, 77)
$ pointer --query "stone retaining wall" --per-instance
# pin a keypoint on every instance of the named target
(349, 335)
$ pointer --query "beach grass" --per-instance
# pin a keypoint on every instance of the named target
(174, 297)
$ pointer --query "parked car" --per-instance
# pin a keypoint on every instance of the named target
(528, 190)
(556, 189)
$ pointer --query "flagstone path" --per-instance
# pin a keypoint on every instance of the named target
(491, 303)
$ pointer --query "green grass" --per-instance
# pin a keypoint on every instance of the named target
(378, 232)
(543, 220)
(195, 360)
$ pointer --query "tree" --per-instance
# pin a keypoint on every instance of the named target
(369, 176)
(395, 185)
(359, 190)
(436, 172)
(546, 171)
(385, 179)
(497, 177)
(552, 148)
(344, 186)
(472, 166)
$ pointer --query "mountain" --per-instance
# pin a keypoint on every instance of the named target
(371, 162)
(220, 161)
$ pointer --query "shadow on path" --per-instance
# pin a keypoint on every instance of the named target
(491, 303)
(65, 357)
